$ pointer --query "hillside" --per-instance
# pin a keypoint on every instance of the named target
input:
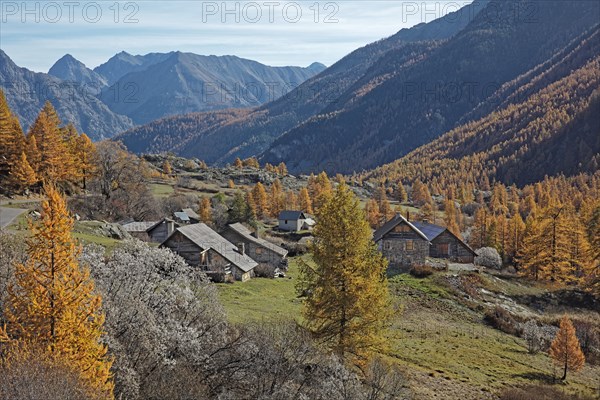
(433, 94)
(186, 82)
(254, 133)
(552, 128)
(27, 91)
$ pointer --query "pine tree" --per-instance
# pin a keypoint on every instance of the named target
(52, 302)
(304, 201)
(21, 174)
(347, 305)
(565, 349)
(259, 197)
(205, 212)
(239, 208)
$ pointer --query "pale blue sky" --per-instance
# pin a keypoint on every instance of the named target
(272, 32)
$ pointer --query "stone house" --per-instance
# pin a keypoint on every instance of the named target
(138, 230)
(202, 247)
(161, 230)
(402, 243)
(406, 243)
(268, 255)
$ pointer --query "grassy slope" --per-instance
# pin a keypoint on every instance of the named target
(447, 352)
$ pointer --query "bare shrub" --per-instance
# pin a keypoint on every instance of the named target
(488, 257)
(538, 392)
(503, 320)
(421, 271)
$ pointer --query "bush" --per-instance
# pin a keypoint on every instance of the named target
(264, 271)
(503, 320)
(421, 271)
(488, 257)
(538, 392)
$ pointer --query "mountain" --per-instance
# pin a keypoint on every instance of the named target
(26, 92)
(254, 133)
(72, 70)
(550, 125)
(186, 82)
(372, 124)
(123, 63)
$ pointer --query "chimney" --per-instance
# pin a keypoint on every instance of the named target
(242, 248)
(170, 227)
(408, 215)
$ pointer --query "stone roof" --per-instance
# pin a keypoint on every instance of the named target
(391, 224)
(291, 215)
(206, 238)
(138, 226)
(246, 234)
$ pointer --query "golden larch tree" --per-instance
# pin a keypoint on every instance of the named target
(22, 175)
(373, 213)
(11, 137)
(565, 349)
(86, 158)
(53, 303)
(205, 211)
(304, 201)
(166, 168)
(259, 196)
(347, 305)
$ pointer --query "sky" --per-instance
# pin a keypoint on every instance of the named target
(35, 34)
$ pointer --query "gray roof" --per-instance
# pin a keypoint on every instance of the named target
(182, 216)
(293, 215)
(245, 232)
(206, 238)
(156, 224)
(430, 230)
(391, 224)
(191, 213)
(138, 226)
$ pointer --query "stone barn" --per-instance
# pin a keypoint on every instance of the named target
(293, 221)
(161, 230)
(445, 244)
(268, 255)
(202, 247)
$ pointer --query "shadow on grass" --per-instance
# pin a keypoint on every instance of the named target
(542, 377)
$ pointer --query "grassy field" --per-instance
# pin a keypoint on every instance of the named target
(262, 299)
(161, 189)
(444, 347)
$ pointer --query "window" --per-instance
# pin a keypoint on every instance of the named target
(258, 250)
(410, 245)
(387, 245)
(402, 228)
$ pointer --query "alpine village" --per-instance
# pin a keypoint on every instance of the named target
(419, 220)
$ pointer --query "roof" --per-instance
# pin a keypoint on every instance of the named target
(288, 214)
(207, 239)
(182, 216)
(430, 230)
(391, 224)
(138, 226)
(191, 213)
(158, 223)
(246, 234)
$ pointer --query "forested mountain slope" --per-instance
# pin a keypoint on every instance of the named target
(434, 94)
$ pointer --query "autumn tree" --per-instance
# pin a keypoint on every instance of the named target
(347, 303)
(565, 349)
(320, 190)
(166, 168)
(238, 212)
(21, 174)
(451, 217)
(420, 194)
(53, 303)
(276, 198)
(11, 138)
(55, 160)
(282, 169)
(383, 203)
(401, 194)
(85, 158)
(238, 163)
(304, 201)
(373, 214)
(291, 200)
(260, 200)
(205, 211)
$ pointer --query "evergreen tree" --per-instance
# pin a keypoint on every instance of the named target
(52, 302)
(565, 349)
(347, 305)
(239, 208)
